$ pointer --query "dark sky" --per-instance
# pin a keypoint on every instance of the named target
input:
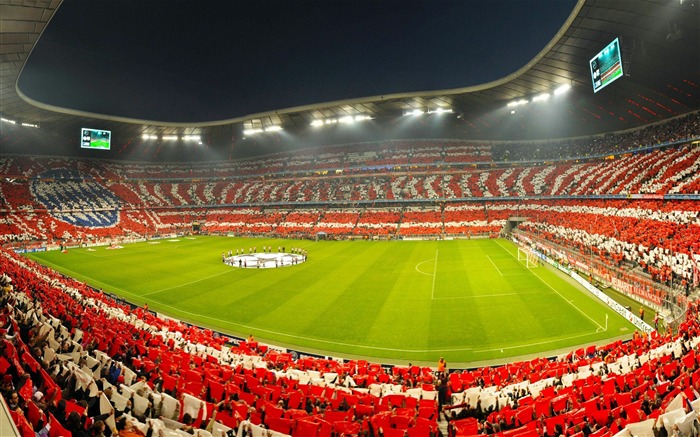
(189, 61)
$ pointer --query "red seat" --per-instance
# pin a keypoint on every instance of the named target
(306, 429)
(392, 432)
(602, 432)
(279, 424)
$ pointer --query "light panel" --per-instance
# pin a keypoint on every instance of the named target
(562, 89)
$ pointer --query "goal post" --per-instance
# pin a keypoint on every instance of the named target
(528, 257)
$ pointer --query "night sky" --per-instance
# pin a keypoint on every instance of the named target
(190, 61)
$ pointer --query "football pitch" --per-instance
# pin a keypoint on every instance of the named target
(470, 301)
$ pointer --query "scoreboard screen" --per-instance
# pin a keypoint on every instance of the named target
(606, 66)
(95, 139)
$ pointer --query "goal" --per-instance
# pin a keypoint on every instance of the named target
(529, 257)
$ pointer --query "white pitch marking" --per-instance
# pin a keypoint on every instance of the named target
(492, 295)
(422, 272)
(186, 283)
(299, 337)
(432, 292)
(560, 295)
(494, 264)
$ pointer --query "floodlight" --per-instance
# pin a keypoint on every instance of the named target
(517, 103)
(317, 123)
(29, 125)
(191, 138)
(441, 111)
(251, 131)
(7, 121)
(273, 128)
(347, 119)
(414, 112)
(562, 89)
(541, 98)
(170, 137)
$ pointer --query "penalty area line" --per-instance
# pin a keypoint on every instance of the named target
(494, 264)
(600, 327)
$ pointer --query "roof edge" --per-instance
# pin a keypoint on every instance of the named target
(320, 105)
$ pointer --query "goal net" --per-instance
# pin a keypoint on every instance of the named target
(528, 257)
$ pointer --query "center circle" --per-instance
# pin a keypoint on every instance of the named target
(266, 260)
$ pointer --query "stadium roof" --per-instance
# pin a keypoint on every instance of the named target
(660, 55)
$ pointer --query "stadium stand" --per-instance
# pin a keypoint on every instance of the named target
(468, 218)
(667, 171)
(67, 201)
(59, 357)
(662, 243)
(611, 209)
(337, 222)
(606, 204)
(374, 222)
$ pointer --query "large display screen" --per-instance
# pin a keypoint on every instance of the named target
(95, 139)
(606, 66)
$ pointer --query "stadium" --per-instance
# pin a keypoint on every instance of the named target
(518, 256)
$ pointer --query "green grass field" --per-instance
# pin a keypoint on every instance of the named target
(469, 301)
(97, 143)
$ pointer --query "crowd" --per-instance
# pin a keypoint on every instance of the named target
(668, 171)
(661, 239)
(677, 129)
(73, 361)
(168, 376)
(380, 156)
